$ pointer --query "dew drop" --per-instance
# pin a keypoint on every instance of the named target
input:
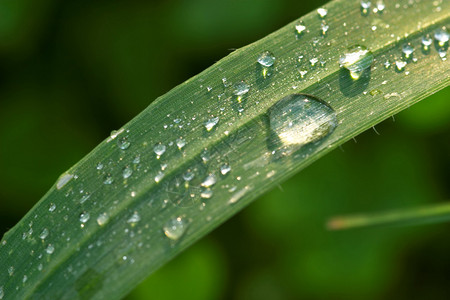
(209, 125)
(300, 119)
(44, 234)
(175, 228)
(11, 271)
(134, 218)
(123, 143)
(180, 143)
(188, 176)
(115, 133)
(324, 28)
(266, 59)
(426, 42)
(52, 207)
(108, 180)
(225, 169)
(302, 73)
(159, 150)
(206, 193)
(400, 65)
(387, 64)
(99, 166)
(63, 180)
(322, 12)
(442, 54)
(407, 50)
(300, 28)
(313, 61)
(127, 172)
(209, 181)
(380, 6)
(102, 219)
(159, 176)
(24, 279)
(50, 249)
(442, 36)
(241, 88)
(2, 293)
(356, 60)
(84, 217)
(365, 6)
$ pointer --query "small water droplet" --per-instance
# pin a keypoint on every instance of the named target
(322, 12)
(127, 172)
(188, 176)
(134, 218)
(387, 64)
(50, 249)
(63, 180)
(302, 73)
(400, 65)
(442, 36)
(99, 166)
(102, 219)
(300, 28)
(175, 228)
(209, 181)
(225, 82)
(313, 61)
(379, 7)
(209, 125)
(266, 59)
(300, 119)
(84, 217)
(123, 143)
(52, 207)
(11, 271)
(225, 169)
(40, 267)
(137, 160)
(180, 143)
(24, 279)
(407, 50)
(44, 234)
(115, 133)
(159, 150)
(356, 60)
(108, 179)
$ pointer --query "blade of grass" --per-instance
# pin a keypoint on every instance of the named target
(430, 214)
(199, 153)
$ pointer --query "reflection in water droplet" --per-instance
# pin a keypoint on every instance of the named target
(400, 65)
(63, 180)
(322, 12)
(102, 219)
(209, 125)
(266, 59)
(365, 6)
(356, 60)
(44, 234)
(301, 119)
(206, 193)
(387, 64)
(380, 6)
(241, 88)
(175, 228)
(123, 143)
(50, 249)
(442, 36)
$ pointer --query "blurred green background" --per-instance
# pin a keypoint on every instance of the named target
(71, 71)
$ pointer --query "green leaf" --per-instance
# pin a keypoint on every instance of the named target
(207, 148)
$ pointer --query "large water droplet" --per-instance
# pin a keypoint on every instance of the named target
(266, 59)
(127, 172)
(180, 143)
(407, 50)
(209, 125)
(50, 249)
(175, 228)
(442, 36)
(44, 234)
(84, 217)
(63, 180)
(322, 12)
(102, 219)
(209, 181)
(426, 42)
(224, 169)
(300, 119)
(241, 88)
(300, 28)
(159, 150)
(123, 143)
(356, 60)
